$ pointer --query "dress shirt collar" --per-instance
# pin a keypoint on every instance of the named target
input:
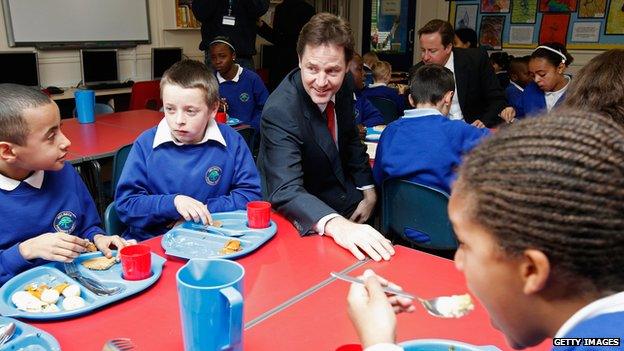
(9, 184)
(322, 107)
(421, 112)
(374, 85)
(163, 134)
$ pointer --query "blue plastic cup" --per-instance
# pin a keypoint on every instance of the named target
(85, 105)
(210, 293)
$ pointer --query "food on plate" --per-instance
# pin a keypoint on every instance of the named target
(99, 263)
(456, 305)
(217, 224)
(73, 303)
(50, 296)
(231, 246)
(25, 301)
(91, 247)
(72, 290)
(36, 289)
(61, 287)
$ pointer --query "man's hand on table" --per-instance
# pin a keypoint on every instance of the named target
(357, 237)
(365, 208)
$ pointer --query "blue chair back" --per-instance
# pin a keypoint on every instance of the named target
(100, 109)
(386, 107)
(249, 134)
(417, 214)
(118, 163)
(112, 224)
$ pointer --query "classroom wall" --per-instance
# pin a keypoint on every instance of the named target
(62, 67)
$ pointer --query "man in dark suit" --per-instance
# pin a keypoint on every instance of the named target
(478, 99)
(313, 167)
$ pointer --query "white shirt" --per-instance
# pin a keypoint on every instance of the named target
(553, 96)
(9, 184)
(235, 79)
(516, 85)
(455, 111)
(374, 85)
(163, 134)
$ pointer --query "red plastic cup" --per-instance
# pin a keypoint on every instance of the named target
(350, 347)
(136, 262)
(221, 117)
(258, 214)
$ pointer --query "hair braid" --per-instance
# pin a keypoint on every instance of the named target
(554, 183)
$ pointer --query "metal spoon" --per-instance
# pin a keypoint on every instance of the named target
(441, 306)
(6, 332)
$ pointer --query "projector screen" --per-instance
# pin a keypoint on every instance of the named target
(76, 23)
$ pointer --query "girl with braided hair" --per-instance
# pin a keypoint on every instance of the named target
(547, 66)
(537, 209)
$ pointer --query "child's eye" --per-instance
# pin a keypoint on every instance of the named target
(51, 136)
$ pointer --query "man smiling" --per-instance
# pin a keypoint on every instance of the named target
(314, 169)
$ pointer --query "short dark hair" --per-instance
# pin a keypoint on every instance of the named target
(439, 26)
(323, 29)
(14, 99)
(502, 59)
(221, 39)
(467, 35)
(190, 74)
(552, 57)
(430, 82)
(556, 184)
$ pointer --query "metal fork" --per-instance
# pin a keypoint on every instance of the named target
(95, 286)
(118, 344)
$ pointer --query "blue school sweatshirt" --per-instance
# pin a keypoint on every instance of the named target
(609, 325)
(365, 112)
(62, 204)
(385, 92)
(513, 93)
(424, 147)
(219, 172)
(534, 101)
(245, 95)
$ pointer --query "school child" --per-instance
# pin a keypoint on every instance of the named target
(425, 146)
(382, 72)
(599, 86)
(465, 38)
(366, 114)
(500, 61)
(188, 166)
(519, 77)
(242, 88)
(369, 59)
(547, 66)
(47, 211)
(537, 210)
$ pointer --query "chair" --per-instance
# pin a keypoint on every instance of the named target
(112, 224)
(249, 134)
(146, 95)
(99, 109)
(417, 214)
(119, 159)
(386, 107)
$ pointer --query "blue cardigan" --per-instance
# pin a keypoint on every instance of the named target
(534, 100)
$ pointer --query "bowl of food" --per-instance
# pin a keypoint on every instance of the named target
(443, 345)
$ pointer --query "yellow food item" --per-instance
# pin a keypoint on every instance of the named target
(61, 287)
(99, 263)
(36, 289)
(91, 247)
(231, 246)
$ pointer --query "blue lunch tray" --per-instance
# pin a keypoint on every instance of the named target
(29, 338)
(443, 345)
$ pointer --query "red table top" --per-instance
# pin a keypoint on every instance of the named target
(320, 321)
(284, 267)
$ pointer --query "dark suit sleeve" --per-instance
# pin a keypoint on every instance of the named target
(358, 165)
(280, 164)
(204, 9)
(493, 95)
(256, 8)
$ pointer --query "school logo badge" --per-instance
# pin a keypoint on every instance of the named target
(213, 175)
(65, 222)
(244, 97)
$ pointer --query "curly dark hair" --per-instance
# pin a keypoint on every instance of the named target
(555, 184)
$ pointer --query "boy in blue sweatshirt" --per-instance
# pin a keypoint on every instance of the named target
(366, 114)
(425, 146)
(242, 88)
(382, 72)
(47, 212)
(188, 166)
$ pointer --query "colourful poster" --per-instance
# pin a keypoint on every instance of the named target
(554, 28)
(557, 5)
(592, 9)
(491, 32)
(615, 18)
(466, 16)
(523, 11)
(494, 6)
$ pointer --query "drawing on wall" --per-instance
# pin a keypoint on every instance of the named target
(592, 8)
(554, 28)
(523, 11)
(491, 32)
(557, 5)
(494, 6)
(615, 18)
(466, 16)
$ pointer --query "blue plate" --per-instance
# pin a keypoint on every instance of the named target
(192, 240)
(52, 274)
(29, 338)
(231, 121)
(443, 345)
(372, 134)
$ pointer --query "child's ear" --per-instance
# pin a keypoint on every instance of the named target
(411, 100)
(448, 97)
(6, 152)
(233, 56)
(535, 270)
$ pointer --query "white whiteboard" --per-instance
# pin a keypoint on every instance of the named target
(31, 22)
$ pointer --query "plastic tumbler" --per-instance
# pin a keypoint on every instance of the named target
(85, 105)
